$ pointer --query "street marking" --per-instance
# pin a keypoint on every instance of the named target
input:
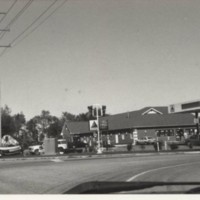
(152, 170)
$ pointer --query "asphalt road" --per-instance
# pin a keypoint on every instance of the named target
(55, 176)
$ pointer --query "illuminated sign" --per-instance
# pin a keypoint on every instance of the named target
(93, 125)
(193, 106)
(104, 125)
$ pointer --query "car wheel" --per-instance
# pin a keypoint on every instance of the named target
(61, 150)
(190, 145)
(37, 152)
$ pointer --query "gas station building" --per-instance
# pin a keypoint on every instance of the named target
(149, 121)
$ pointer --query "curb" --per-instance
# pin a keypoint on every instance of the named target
(95, 156)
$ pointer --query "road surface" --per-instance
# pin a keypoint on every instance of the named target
(55, 176)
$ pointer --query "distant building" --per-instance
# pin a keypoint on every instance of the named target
(149, 121)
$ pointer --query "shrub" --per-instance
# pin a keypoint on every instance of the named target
(190, 145)
(142, 146)
(173, 146)
(91, 149)
(129, 146)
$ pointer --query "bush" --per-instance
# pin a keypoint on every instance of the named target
(190, 145)
(129, 147)
(173, 146)
(91, 149)
(142, 146)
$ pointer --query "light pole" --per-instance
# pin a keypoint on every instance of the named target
(99, 151)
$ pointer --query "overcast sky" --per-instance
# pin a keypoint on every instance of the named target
(125, 54)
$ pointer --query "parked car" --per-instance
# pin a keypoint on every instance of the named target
(10, 150)
(192, 141)
(145, 140)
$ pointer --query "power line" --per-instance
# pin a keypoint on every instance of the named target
(17, 16)
(5, 46)
(6, 13)
(4, 30)
(28, 27)
(45, 19)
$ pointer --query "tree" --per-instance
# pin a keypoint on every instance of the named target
(19, 121)
(44, 124)
(32, 127)
(83, 117)
(68, 116)
(80, 117)
(8, 126)
(55, 128)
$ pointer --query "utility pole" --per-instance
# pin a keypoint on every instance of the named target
(5, 46)
(0, 116)
(99, 151)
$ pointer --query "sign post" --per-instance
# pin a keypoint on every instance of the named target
(97, 110)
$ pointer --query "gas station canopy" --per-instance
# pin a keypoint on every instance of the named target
(187, 107)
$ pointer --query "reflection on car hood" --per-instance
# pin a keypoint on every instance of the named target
(10, 148)
(96, 187)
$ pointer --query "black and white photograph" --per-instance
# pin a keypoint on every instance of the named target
(100, 97)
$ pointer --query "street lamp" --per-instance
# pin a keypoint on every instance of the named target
(96, 110)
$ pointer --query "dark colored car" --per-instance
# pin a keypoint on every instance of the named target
(193, 141)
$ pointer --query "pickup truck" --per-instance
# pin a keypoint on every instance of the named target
(145, 140)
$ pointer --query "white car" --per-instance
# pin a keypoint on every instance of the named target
(146, 140)
(36, 149)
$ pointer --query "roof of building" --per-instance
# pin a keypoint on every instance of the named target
(148, 117)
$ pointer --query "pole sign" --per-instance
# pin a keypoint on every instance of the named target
(196, 120)
(104, 124)
(93, 125)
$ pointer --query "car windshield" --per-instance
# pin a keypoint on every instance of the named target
(62, 142)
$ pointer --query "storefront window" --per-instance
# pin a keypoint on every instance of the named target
(166, 133)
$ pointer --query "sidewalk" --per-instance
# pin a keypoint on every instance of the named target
(93, 156)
